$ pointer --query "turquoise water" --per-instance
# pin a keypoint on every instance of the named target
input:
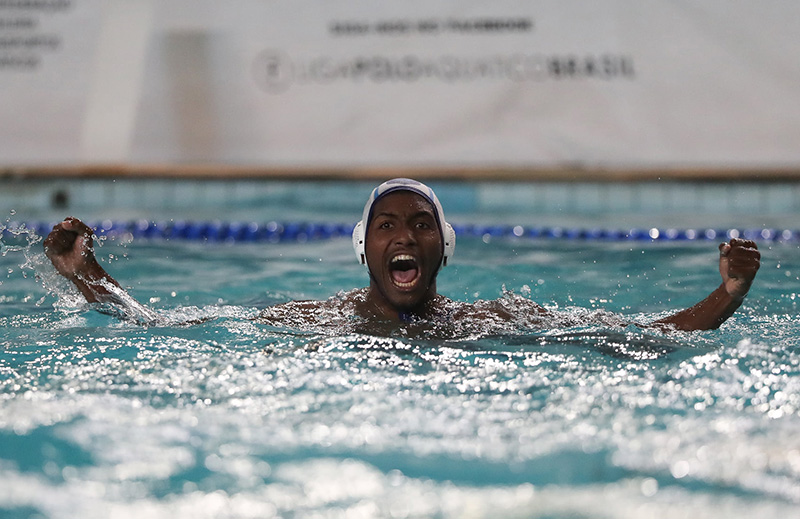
(230, 418)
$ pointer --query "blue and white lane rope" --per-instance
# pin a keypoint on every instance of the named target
(217, 231)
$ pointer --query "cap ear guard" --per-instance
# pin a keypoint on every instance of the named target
(359, 244)
(449, 236)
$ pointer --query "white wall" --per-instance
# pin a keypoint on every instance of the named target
(327, 83)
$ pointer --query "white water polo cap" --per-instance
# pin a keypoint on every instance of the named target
(403, 184)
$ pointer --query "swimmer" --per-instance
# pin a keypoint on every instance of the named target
(403, 241)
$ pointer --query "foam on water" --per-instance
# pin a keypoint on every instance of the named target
(230, 417)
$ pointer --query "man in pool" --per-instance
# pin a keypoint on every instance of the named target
(404, 240)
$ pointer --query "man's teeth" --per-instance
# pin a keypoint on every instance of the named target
(404, 285)
(402, 257)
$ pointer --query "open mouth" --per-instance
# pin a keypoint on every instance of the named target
(404, 271)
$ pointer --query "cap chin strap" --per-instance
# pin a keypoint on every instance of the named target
(359, 243)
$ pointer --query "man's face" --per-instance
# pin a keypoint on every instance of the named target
(404, 250)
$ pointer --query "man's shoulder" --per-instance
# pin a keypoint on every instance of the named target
(304, 312)
(503, 309)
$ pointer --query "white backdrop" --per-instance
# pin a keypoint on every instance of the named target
(418, 83)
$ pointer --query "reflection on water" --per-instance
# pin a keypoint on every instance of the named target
(231, 417)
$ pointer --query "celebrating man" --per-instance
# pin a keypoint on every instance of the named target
(403, 240)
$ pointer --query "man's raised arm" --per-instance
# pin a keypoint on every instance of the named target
(739, 261)
(70, 247)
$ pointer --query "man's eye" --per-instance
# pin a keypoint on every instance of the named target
(423, 225)
(386, 225)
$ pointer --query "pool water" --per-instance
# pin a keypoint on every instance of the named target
(232, 418)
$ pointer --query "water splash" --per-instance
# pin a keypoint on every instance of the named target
(232, 416)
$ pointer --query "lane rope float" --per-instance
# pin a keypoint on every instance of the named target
(218, 231)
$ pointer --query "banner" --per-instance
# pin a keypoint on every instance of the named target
(46, 60)
(435, 83)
